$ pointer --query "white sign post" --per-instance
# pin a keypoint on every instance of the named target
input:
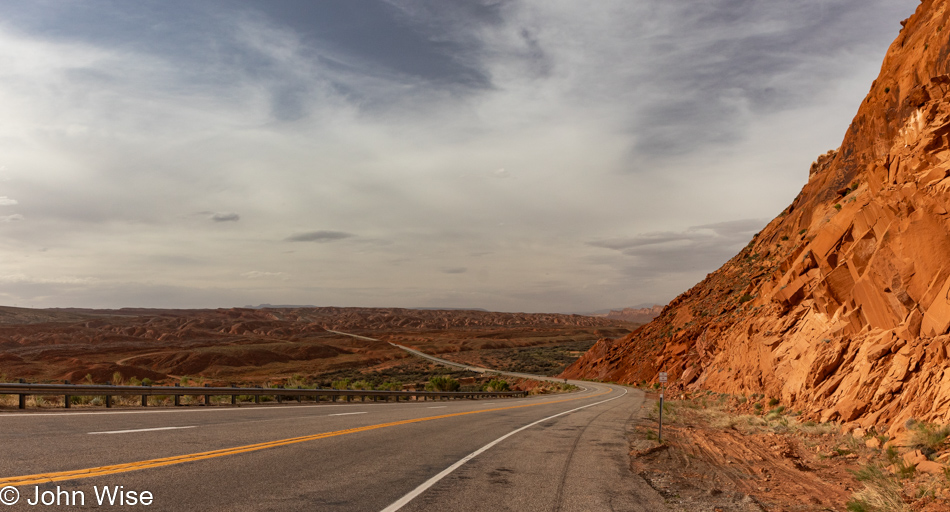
(662, 387)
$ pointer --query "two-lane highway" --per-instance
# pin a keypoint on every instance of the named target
(563, 452)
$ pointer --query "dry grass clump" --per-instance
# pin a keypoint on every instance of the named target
(881, 493)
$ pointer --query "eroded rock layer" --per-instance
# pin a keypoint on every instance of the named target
(841, 305)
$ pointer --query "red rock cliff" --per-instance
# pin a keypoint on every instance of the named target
(841, 305)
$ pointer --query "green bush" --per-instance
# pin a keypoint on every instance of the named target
(773, 402)
(442, 383)
(496, 385)
(928, 437)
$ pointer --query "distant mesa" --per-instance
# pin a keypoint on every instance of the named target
(634, 315)
(279, 306)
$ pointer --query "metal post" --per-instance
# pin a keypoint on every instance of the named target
(660, 435)
(67, 397)
(257, 398)
(108, 401)
(233, 399)
(207, 397)
(22, 402)
(177, 397)
(144, 398)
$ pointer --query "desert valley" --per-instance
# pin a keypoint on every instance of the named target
(810, 372)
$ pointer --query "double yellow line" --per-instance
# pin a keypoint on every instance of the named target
(179, 459)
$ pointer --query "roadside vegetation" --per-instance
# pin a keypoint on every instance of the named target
(861, 470)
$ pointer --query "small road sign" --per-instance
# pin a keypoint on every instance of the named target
(663, 377)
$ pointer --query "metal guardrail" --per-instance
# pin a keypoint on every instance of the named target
(70, 390)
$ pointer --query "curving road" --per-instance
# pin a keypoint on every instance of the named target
(553, 453)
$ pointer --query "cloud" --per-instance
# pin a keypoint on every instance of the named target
(226, 217)
(617, 127)
(319, 236)
(696, 250)
(26, 279)
(256, 274)
(6, 201)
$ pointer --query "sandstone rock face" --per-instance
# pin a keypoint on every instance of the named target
(841, 306)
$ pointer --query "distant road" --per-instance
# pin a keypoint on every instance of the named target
(548, 453)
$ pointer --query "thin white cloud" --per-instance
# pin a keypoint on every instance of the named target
(16, 217)
(256, 274)
(6, 201)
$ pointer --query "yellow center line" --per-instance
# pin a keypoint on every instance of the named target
(190, 457)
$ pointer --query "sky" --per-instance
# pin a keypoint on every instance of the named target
(537, 156)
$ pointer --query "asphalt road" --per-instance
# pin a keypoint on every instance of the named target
(562, 453)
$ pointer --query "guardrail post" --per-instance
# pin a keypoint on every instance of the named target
(22, 404)
(207, 397)
(67, 398)
(233, 399)
(108, 401)
(177, 397)
(257, 397)
(348, 398)
(298, 398)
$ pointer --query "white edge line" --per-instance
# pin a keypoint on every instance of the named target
(139, 430)
(401, 502)
(346, 413)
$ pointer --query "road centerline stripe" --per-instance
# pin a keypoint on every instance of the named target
(191, 457)
(346, 413)
(139, 430)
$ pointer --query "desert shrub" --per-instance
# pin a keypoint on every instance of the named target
(928, 437)
(390, 386)
(881, 492)
(838, 206)
(295, 381)
(496, 385)
(773, 402)
(361, 384)
(134, 381)
(442, 383)
(341, 384)
(775, 414)
(147, 381)
(745, 298)
(117, 379)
